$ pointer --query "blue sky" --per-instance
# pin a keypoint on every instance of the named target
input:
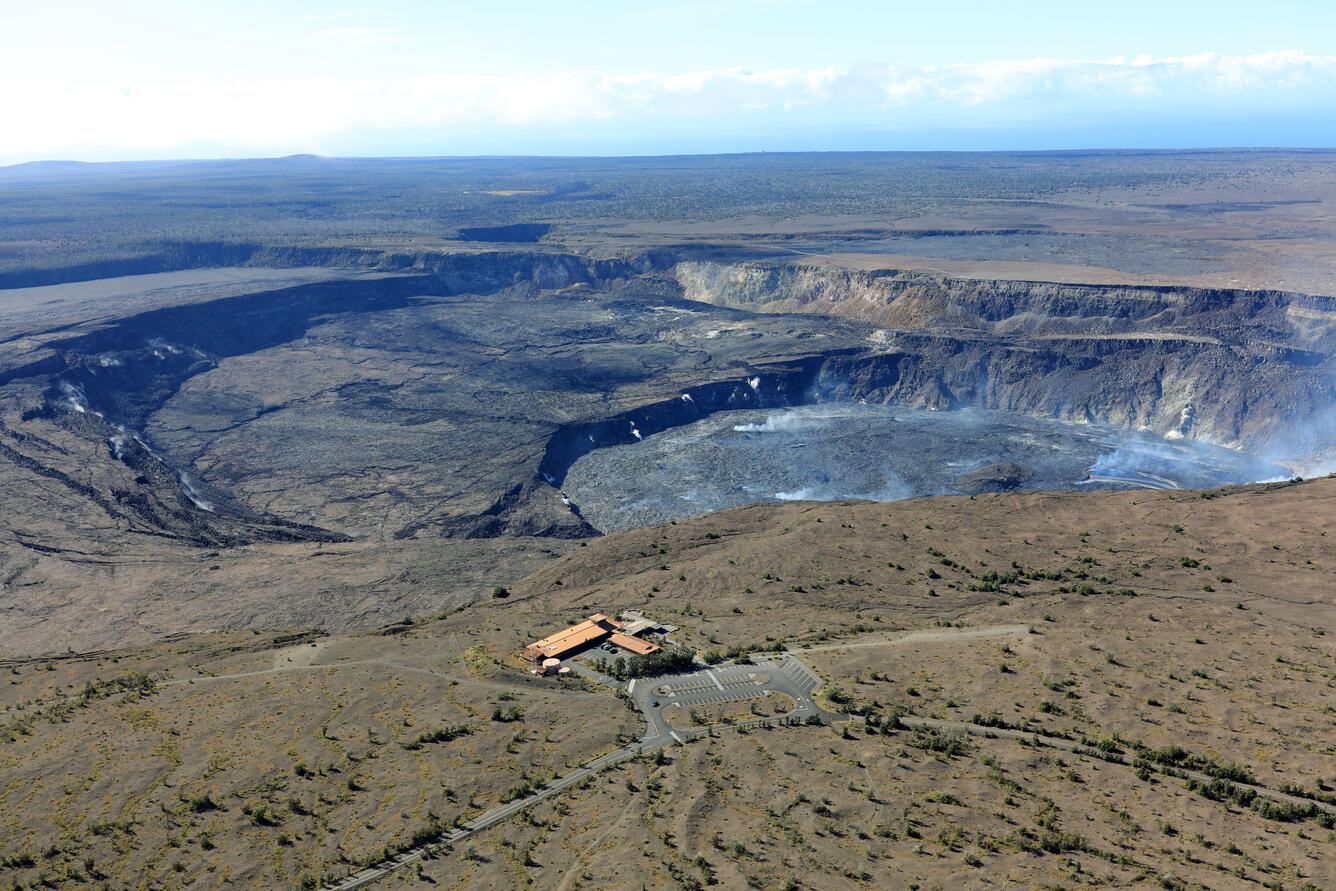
(150, 79)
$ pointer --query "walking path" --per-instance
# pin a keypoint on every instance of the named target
(399, 666)
(785, 672)
(1078, 748)
(944, 635)
(796, 676)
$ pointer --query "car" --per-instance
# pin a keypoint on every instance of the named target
(654, 704)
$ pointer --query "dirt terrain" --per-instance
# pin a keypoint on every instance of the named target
(1119, 624)
(355, 407)
(1118, 650)
(282, 454)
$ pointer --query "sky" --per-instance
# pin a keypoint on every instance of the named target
(146, 79)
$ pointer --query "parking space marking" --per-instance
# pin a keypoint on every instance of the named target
(702, 687)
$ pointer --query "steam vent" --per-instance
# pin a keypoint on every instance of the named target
(779, 520)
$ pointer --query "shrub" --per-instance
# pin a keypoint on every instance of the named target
(667, 661)
(947, 742)
(198, 804)
(444, 734)
(1062, 842)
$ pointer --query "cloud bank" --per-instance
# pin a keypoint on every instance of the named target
(455, 110)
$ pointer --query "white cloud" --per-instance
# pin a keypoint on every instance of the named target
(45, 120)
(361, 35)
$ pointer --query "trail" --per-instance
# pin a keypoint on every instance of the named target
(643, 746)
(399, 666)
(1076, 748)
(648, 743)
(572, 875)
(943, 636)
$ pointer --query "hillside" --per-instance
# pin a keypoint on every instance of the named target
(331, 393)
(1026, 625)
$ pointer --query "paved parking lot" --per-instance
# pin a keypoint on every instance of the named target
(783, 673)
(732, 683)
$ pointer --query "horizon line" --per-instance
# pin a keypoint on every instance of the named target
(1196, 149)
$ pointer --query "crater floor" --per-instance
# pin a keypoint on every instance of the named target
(832, 452)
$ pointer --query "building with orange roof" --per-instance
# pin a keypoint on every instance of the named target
(597, 629)
(633, 645)
(573, 639)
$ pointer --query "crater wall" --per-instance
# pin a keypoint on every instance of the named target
(912, 300)
(1245, 369)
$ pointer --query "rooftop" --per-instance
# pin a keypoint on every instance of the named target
(633, 644)
(595, 628)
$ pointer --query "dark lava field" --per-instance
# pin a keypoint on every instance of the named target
(387, 387)
(835, 452)
(298, 454)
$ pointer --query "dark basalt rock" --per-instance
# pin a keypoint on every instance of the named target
(433, 395)
(1003, 477)
(480, 378)
(517, 233)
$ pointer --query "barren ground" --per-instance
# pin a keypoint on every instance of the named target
(1109, 634)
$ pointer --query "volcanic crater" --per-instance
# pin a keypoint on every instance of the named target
(451, 395)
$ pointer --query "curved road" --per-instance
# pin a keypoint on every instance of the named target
(722, 683)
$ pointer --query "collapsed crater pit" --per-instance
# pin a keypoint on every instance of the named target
(842, 450)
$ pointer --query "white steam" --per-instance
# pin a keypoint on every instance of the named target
(1149, 464)
(188, 487)
(1307, 448)
(75, 397)
(122, 437)
(158, 344)
(786, 422)
(892, 489)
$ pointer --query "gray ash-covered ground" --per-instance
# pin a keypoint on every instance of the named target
(1135, 253)
(880, 453)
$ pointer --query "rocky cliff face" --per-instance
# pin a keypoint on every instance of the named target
(913, 300)
(484, 270)
(440, 401)
(1173, 388)
(349, 407)
(771, 386)
(1247, 369)
(388, 406)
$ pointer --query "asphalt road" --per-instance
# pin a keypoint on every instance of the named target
(784, 673)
